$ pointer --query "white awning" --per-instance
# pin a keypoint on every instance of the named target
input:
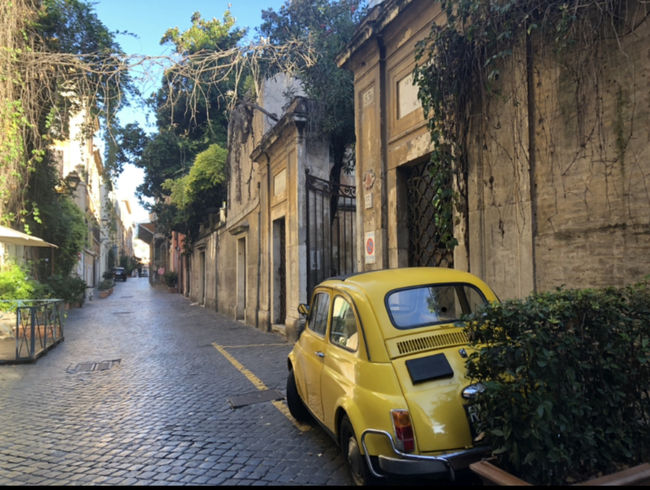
(8, 235)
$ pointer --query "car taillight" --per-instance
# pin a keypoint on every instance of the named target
(403, 430)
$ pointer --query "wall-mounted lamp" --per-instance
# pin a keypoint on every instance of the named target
(69, 183)
(72, 180)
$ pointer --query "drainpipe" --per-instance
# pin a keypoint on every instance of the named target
(531, 153)
(259, 258)
(268, 231)
(383, 125)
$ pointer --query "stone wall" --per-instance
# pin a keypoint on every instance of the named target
(498, 189)
(593, 134)
(586, 221)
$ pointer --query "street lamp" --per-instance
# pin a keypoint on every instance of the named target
(72, 180)
(69, 183)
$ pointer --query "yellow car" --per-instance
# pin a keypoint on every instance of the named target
(380, 365)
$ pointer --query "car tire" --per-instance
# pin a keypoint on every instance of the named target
(296, 406)
(356, 461)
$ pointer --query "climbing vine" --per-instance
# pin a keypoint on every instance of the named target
(56, 59)
(459, 64)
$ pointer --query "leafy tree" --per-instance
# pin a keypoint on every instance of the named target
(202, 120)
(327, 26)
(67, 228)
(192, 105)
(126, 144)
(69, 61)
(71, 27)
(57, 221)
(200, 189)
(164, 156)
(188, 125)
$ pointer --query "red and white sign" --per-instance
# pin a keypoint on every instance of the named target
(370, 247)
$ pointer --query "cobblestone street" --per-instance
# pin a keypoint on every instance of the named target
(159, 410)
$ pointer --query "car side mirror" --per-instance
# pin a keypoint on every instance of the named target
(303, 309)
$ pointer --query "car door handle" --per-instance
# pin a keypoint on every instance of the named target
(320, 354)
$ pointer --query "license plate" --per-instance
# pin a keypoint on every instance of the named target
(473, 419)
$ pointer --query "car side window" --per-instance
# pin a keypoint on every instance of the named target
(318, 313)
(344, 332)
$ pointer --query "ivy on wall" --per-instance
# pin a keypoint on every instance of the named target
(459, 66)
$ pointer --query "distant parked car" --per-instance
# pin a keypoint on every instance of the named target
(381, 366)
(119, 274)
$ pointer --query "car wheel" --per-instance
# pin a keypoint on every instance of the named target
(294, 402)
(356, 461)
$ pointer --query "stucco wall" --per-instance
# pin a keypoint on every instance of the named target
(593, 204)
(498, 188)
(589, 210)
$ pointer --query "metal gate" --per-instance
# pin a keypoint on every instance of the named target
(424, 236)
(331, 230)
(282, 274)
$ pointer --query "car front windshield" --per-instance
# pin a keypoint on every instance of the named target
(426, 305)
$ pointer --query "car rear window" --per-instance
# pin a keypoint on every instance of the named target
(430, 304)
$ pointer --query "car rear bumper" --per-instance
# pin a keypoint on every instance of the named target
(406, 464)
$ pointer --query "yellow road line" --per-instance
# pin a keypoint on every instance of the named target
(248, 345)
(259, 384)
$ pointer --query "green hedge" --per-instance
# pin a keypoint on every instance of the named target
(567, 380)
(72, 289)
(16, 283)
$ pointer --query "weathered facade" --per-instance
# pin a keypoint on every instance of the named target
(251, 260)
(559, 165)
(80, 156)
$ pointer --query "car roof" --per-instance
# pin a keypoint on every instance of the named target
(385, 280)
(368, 291)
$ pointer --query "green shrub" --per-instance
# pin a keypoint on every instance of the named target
(567, 379)
(170, 278)
(71, 289)
(15, 283)
(105, 284)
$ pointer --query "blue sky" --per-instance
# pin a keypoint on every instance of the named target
(148, 20)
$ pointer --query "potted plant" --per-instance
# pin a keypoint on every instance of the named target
(565, 378)
(105, 288)
(170, 278)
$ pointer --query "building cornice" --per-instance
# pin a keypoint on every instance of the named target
(296, 115)
(372, 25)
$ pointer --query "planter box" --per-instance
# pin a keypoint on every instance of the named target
(493, 475)
(7, 324)
(105, 293)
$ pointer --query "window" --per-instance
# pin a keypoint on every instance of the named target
(318, 313)
(426, 305)
(344, 325)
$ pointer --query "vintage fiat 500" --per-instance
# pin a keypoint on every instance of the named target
(380, 365)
